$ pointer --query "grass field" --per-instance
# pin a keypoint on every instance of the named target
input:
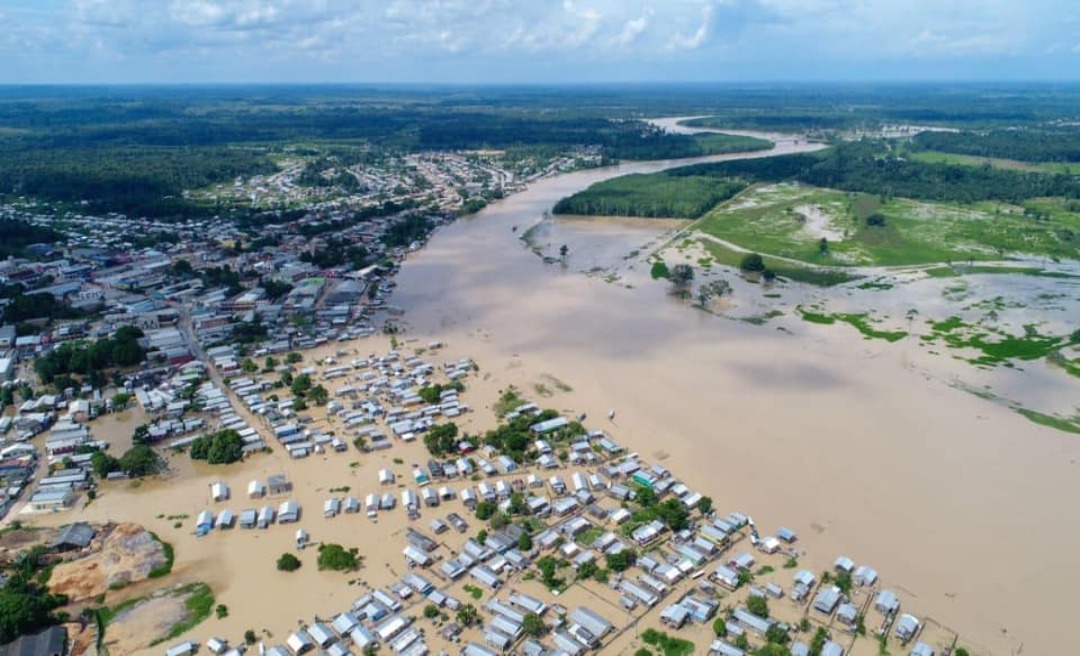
(789, 220)
(935, 157)
(820, 276)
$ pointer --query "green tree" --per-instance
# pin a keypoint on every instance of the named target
(318, 395)
(532, 625)
(249, 366)
(682, 277)
(758, 605)
(288, 563)
(249, 637)
(621, 561)
(482, 536)
(294, 358)
(220, 448)
(431, 611)
(705, 505)
(525, 542)
(337, 558)
(752, 263)
(141, 434)
(103, 464)
(466, 615)
(485, 509)
(719, 627)
(141, 460)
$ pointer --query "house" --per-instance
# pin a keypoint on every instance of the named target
(182, 649)
(249, 518)
(906, 627)
(219, 491)
(72, 537)
(204, 523)
(887, 602)
(831, 648)
(865, 575)
(321, 634)
(827, 599)
(256, 489)
(300, 643)
(844, 564)
(288, 512)
(590, 621)
(266, 517)
(922, 649)
(331, 507)
(675, 616)
(50, 642)
(278, 484)
(225, 519)
(485, 576)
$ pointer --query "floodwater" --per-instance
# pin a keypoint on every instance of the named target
(962, 504)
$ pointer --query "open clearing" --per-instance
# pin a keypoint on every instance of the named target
(789, 220)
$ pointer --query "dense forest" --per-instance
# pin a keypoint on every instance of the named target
(1048, 145)
(656, 195)
(869, 167)
(20, 234)
(133, 150)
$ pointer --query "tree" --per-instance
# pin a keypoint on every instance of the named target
(705, 505)
(777, 635)
(270, 364)
(220, 448)
(517, 503)
(294, 358)
(249, 366)
(719, 627)
(621, 561)
(249, 637)
(301, 384)
(140, 460)
(431, 611)
(288, 563)
(482, 536)
(485, 509)
(752, 263)
(103, 464)
(823, 246)
(337, 558)
(875, 220)
(141, 434)
(525, 542)
(682, 276)
(467, 615)
(318, 395)
(768, 275)
(587, 570)
(532, 625)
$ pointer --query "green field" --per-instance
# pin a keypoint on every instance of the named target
(789, 220)
(820, 276)
(934, 157)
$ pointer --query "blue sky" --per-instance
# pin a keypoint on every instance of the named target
(536, 41)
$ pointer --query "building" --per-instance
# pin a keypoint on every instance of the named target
(74, 536)
(50, 642)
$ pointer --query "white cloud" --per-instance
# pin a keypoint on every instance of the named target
(390, 35)
(698, 38)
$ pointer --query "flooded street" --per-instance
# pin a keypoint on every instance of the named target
(841, 439)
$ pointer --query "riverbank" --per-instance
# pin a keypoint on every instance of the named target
(842, 433)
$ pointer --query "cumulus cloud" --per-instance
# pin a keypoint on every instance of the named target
(236, 37)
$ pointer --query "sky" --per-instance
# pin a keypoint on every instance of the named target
(536, 41)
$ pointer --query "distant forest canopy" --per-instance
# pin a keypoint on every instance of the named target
(1026, 145)
(135, 149)
(867, 166)
(17, 235)
(655, 195)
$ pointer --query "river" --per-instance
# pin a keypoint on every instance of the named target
(961, 505)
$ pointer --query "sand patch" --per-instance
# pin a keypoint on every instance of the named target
(127, 554)
(817, 223)
(147, 621)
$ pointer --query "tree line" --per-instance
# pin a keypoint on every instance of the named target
(655, 195)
